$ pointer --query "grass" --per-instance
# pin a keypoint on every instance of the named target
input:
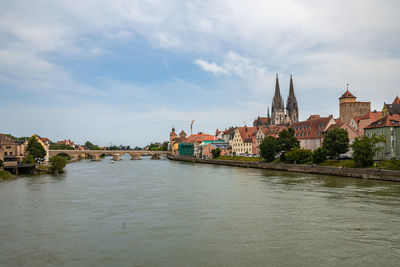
(390, 164)
(241, 158)
(337, 163)
(5, 175)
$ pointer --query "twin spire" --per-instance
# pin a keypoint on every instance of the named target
(278, 108)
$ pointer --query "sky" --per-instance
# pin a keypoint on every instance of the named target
(124, 72)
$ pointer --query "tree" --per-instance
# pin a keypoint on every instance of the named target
(268, 148)
(35, 148)
(319, 155)
(57, 164)
(29, 159)
(91, 146)
(287, 141)
(216, 152)
(365, 148)
(336, 142)
(164, 146)
(298, 155)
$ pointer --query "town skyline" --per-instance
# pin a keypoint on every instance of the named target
(126, 72)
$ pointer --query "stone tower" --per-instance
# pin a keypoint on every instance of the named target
(291, 106)
(278, 108)
(350, 108)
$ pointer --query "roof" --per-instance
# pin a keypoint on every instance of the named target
(393, 108)
(387, 121)
(311, 128)
(201, 137)
(372, 115)
(396, 100)
(182, 133)
(347, 94)
(262, 121)
(272, 130)
(247, 133)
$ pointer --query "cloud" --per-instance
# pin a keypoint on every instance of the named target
(211, 67)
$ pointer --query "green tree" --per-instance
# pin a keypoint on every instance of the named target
(164, 146)
(268, 148)
(286, 141)
(365, 148)
(29, 159)
(319, 155)
(298, 155)
(57, 164)
(91, 146)
(216, 152)
(336, 142)
(35, 148)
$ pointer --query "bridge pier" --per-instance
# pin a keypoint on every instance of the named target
(155, 156)
(116, 156)
(95, 157)
(134, 156)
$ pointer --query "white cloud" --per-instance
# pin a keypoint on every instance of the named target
(211, 67)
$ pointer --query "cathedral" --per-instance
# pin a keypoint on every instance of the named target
(280, 115)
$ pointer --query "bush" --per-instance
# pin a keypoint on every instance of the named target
(319, 155)
(6, 175)
(57, 164)
(216, 152)
(298, 155)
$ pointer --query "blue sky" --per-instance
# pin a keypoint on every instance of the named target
(124, 72)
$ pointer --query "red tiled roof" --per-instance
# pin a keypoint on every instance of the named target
(347, 94)
(373, 116)
(311, 129)
(45, 140)
(396, 100)
(200, 138)
(262, 121)
(247, 133)
(387, 121)
(272, 130)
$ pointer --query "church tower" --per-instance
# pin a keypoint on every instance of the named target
(278, 108)
(292, 107)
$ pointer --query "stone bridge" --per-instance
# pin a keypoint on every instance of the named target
(135, 154)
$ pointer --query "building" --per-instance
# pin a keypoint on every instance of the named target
(279, 114)
(197, 139)
(389, 127)
(391, 109)
(244, 141)
(365, 120)
(186, 149)
(311, 132)
(66, 142)
(263, 132)
(350, 108)
(175, 140)
(208, 147)
(45, 142)
(8, 147)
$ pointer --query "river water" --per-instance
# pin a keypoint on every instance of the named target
(165, 213)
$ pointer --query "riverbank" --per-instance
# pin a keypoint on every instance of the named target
(375, 174)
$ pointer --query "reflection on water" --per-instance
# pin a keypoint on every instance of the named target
(163, 213)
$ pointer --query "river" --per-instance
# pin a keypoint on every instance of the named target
(167, 213)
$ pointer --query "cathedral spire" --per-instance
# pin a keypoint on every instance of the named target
(268, 115)
(277, 102)
(291, 105)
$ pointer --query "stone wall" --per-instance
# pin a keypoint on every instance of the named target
(349, 110)
(325, 170)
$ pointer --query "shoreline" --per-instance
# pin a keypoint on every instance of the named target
(364, 173)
